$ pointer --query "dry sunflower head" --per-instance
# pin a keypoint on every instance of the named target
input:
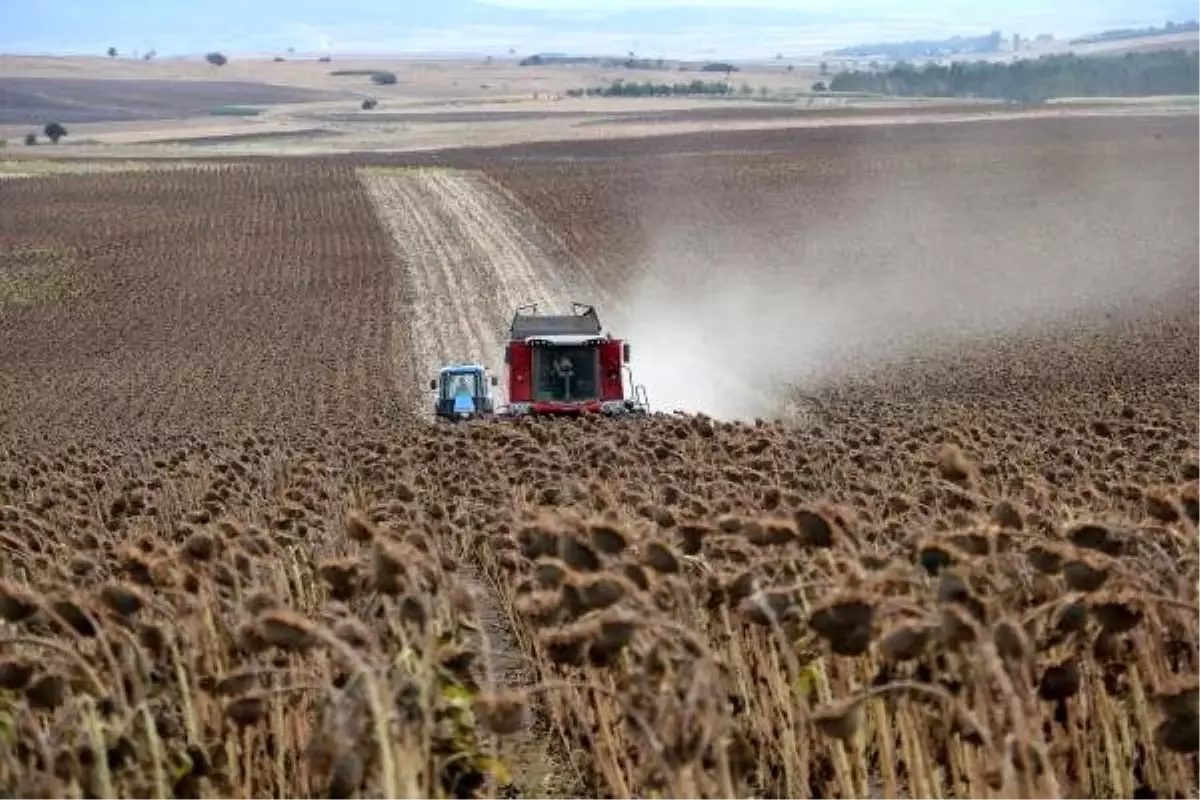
(846, 623)
(840, 720)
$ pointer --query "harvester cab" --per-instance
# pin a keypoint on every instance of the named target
(462, 392)
(567, 364)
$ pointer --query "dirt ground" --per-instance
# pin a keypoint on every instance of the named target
(29, 101)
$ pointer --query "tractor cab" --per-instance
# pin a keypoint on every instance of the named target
(462, 392)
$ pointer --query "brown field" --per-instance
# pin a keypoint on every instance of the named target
(955, 556)
(35, 101)
(116, 104)
(126, 108)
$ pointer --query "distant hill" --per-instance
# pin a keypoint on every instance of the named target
(1119, 34)
(1172, 35)
(924, 48)
(1187, 41)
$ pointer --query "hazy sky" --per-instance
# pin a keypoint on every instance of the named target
(1003, 13)
(603, 5)
(726, 28)
(893, 9)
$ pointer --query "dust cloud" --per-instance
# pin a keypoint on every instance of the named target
(730, 320)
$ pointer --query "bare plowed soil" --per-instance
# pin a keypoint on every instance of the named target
(193, 300)
(34, 101)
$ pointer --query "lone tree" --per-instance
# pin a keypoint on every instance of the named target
(112, 52)
(216, 59)
(54, 131)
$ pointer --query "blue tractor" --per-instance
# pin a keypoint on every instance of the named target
(462, 392)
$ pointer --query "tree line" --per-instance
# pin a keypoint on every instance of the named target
(1167, 72)
(632, 62)
(620, 88)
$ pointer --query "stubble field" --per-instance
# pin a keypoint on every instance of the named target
(956, 557)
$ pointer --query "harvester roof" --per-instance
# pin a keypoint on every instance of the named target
(580, 323)
(461, 368)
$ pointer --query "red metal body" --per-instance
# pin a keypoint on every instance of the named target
(565, 364)
(609, 385)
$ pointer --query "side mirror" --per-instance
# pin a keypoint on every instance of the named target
(625, 351)
(433, 385)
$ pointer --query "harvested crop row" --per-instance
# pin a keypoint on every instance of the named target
(213, 298)
(965, 200)
(467, 257)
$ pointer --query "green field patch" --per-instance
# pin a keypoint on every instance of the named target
(390, 172)
(235, 111)
(32, 168)
(380, 77)
(31, 276)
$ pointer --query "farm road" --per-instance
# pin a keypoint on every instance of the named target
(468, 255)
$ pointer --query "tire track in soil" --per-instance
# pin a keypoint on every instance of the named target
(466, 258)
(467, 254)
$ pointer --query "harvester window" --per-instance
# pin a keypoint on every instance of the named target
(565, 374)
(454, 385)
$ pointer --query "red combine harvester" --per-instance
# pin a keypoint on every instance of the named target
(566, 365)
